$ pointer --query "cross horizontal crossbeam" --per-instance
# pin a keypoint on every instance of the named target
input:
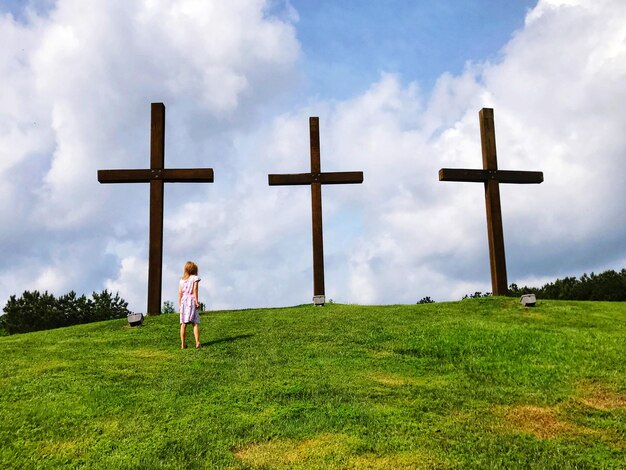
(482, 176)
(167, 175)
(339, 177)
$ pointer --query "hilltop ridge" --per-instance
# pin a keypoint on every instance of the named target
(460, 384)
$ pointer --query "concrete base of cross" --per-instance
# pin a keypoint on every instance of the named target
(319, 300)
(528, 300)
(135, 319)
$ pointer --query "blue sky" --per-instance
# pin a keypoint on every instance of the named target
(346, 44)
(397, 86)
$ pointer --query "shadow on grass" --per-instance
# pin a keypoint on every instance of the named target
(230, 339)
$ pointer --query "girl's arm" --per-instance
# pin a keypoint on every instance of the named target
(180, 295)
(195, 293)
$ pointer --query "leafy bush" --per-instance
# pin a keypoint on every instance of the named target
(168, 307)
(426, 300)
(477, 295)
(34, 311)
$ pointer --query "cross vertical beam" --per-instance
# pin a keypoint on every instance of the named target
(492, 177)
(157, 186)
(495, 232)
(316, 210)
(316, 179)
(157, 175)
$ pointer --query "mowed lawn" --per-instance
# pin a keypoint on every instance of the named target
(480, 383)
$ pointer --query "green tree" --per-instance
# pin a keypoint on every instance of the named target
(34, 311)
(107, 307)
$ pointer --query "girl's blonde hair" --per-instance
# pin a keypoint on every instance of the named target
(191, 269)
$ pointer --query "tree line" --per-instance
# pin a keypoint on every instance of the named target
(608, 286)
(34, 311)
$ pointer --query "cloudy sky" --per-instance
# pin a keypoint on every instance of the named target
(397, 86)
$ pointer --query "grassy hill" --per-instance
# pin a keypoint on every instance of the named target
(472, 384)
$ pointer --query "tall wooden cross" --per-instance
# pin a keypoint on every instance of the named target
(156, 175)
(316, 179)
(492, 177)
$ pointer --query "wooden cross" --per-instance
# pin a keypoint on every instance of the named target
(316, 179)
(156, 175)
(492, 177)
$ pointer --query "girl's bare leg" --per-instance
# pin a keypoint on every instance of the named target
(182, 336)
(196, 333)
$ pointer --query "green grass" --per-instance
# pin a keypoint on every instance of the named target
(481, 383)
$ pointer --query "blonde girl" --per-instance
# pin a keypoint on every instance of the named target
(188, 302)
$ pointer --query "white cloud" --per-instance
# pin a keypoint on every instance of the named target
(87, 73)
(131, 282)
(559, 106)
(76, 87)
